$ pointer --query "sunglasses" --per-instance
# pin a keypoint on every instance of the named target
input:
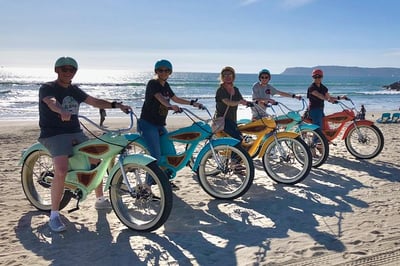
(68, 69)
(228, 74)
(317, 77)
(264, 77)
(163, 70)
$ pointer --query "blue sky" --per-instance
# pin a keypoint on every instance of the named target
(201, 35)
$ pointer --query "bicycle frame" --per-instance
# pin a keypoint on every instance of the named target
(191, 136)
(334, 123)
(285, 156)
(223, 167)
(291, 120)
(265, 131)
(81, 179)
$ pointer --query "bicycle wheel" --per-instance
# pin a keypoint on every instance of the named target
(318, 145)
(228, 173)
(287, 160)
(364, 141)
(36, 176)
(141, 210)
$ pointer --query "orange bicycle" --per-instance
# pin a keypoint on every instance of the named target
(363, 139)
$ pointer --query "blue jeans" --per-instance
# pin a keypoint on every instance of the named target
(317, 115)
(151, 134)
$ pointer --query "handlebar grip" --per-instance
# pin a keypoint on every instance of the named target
(179, 111)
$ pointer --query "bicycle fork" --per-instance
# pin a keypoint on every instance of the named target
(281, 151)
(220, 163)
(133, 192)
(361, 137)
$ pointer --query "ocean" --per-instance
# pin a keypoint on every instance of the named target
(19, 90)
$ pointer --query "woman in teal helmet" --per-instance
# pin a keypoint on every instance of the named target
(262, 92)
(155, 108)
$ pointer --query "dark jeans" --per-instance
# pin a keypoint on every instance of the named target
(232, 130)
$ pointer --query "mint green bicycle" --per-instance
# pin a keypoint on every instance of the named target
(134, 204)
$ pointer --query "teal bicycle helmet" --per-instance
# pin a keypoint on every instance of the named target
(264, 71)
(163, 63)
(66, 61)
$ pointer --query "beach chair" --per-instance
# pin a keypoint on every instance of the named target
(395, 118)
(385, 118)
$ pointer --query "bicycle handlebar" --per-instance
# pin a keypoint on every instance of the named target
(189, 113)
(131, 114)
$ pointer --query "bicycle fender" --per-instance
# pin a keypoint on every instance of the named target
(308, 126)
(140, 159)
(269, 140)
(35, 147)
(135, 137)
(358, 123)
(215, 142)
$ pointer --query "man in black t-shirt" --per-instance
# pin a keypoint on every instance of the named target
(60, 130)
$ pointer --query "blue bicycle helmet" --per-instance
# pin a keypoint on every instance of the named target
(264, 71)
(163, 63)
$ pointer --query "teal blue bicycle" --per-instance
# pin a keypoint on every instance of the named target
(292, 120)
(134, 204)
(223, 167)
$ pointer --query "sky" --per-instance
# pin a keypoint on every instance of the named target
(200, 35)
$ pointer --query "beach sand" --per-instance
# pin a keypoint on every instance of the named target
(347, 212)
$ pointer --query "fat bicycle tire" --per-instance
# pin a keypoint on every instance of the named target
(364, 141)
(36, 175)
(231, 177)
(292, 169)
(141, 210)
(318, 145)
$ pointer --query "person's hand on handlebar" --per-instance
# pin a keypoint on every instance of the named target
(196, 104)
(124, 108)
(249, 104)
(176, 108)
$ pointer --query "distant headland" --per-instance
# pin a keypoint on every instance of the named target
(346, 71)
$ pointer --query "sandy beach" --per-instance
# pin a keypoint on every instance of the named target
(347, 212)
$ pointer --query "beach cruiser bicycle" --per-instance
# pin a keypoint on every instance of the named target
(136, 206)
(291, 120)
(363, 139)
(286, 158)
(224, 169)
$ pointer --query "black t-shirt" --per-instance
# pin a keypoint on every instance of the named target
(221, 107)
(152, 110)
(316, 102)
(50, 122)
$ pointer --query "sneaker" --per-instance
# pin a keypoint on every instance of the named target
(101, 205)
(173, 186)
(56, 225)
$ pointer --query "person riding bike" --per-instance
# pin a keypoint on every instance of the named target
(60, 130)
(155, 108)
(317, 93)
(262, 92)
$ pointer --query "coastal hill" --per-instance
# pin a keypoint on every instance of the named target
(346, 71)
